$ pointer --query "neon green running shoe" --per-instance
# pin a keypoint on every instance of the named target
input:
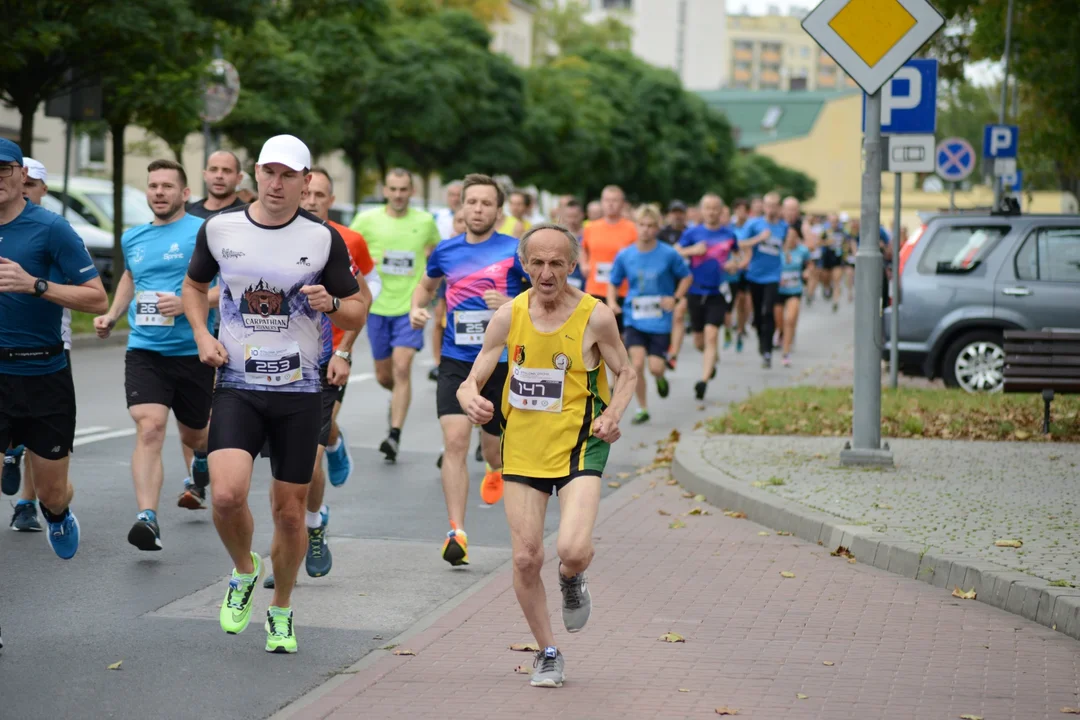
(280, 635)
(236, 610)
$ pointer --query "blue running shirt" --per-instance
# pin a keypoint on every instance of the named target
(792, 265)
(708, 269)
(765, 262)
(651, 275)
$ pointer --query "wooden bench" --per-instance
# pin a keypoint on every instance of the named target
(1046, 361)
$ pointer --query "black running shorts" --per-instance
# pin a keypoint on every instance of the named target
(550, 486)
(656, 344)
(289, 421)
(182, 383)
(331, 395)
(706, 310)
(452, 373)
(38, 411)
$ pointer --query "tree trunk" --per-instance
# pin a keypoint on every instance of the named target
(26, 128)
(178, 153)
(426, 175)
(117, 132)
(356, 160)
(383, 164)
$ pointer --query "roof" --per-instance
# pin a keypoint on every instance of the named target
(764, 116)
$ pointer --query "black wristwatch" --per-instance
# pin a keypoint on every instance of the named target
(40, 287)
(337, 306)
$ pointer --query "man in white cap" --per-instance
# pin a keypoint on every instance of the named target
(280, 268)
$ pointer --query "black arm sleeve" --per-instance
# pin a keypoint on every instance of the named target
(203, 268)
(337, 276)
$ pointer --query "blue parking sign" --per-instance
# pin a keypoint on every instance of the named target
(909, 100)
(1000, 141)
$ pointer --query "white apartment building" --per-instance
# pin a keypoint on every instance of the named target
(687, 36)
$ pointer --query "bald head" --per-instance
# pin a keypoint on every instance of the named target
(612, 200)
(222, 175)
(771, 206)
(791, 209)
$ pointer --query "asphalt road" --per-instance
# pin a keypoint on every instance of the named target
(65, 622)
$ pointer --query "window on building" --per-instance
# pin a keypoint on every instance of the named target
(804, 51)
(92, 151)
(798, 83)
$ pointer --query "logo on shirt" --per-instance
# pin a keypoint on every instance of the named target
(519, 354)
(174, 253)
(138, 256)
(227, 254)
(303, 261)
(561, 361)
(263, 307)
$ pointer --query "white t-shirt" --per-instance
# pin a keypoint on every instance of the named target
(444, 220)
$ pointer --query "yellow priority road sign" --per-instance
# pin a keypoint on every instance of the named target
(872, 39)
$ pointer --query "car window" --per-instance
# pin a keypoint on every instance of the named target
(958, 247)
(56, 205)
(136, 211)
(1027, 260)
(1059, 254)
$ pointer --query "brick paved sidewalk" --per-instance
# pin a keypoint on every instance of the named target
(754, 640)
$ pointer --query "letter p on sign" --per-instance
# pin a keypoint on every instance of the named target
(890, 102)
(1000, 139)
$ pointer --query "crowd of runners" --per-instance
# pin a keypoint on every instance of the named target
(243, 319)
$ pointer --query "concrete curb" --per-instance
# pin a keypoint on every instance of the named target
(1018, 593)
(86, 341)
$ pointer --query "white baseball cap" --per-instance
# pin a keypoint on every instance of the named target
(35, 170)
(288, 150)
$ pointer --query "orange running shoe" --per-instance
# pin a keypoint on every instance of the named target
(491, 489)
(455, 549)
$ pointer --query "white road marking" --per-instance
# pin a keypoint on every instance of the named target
(98, 437)
(79, 432)
(360, 377)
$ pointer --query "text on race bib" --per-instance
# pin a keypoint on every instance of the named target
(272, 366)
(470, 326)
(398, 262)
(147, 312)
(646, 307)
(603, 272)
(790, 279)
(771, 246)
(537, 389)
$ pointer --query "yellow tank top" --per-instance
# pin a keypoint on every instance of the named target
(551, 399)
(510, 222)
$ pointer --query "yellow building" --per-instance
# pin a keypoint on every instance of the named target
(773, 52)
(820, 134)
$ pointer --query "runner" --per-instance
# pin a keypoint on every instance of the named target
(447, 222)
(280, 267)
(832, 260)
(37, 395)
(735, 322)
(221, 178)
(482, 273)
(593, 212)
(161, 368)
(444, 218)
(851, 246)
(517, 222)
(764, 238)
(602, 241)
(658, 281)
(709, 247)
(573, 217)
(400, 238)
(797, 263)
(670, 235)
(559, 423)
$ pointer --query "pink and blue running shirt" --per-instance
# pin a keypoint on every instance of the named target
(470, 271)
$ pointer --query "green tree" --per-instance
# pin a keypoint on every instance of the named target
(561, 28)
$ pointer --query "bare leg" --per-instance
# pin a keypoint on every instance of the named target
(637, 359)
(678, 328)
(791, 319)
(27, 492)
(51, 481)
(402, 372)
(457, 431)
(384, 373)
(289, 545)
(525, 509)
(317, 488)
(743, 306)
(146, 467)
(710, 353)
(579, 502)
(656, 367)
(334, 432)
(230, 482)
(491, 447)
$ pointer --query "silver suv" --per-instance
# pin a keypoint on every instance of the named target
(966, 278)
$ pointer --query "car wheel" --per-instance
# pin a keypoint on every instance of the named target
(975, 362)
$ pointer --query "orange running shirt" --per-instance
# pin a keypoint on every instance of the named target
(602, 242)
(361, 258)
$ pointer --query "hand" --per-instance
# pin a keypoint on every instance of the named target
(606, 428)
(418, 318)
(170, 305)
(667, 303)
(318, 298)
(495, 299)
(14, 279)
(211, 351)
(337, 374)
(103, 325)
(615, 308)
(480, 410)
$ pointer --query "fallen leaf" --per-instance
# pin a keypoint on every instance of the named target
(391, 646)
(116, 665)
(737, 514)
(827, 663)
(758, 484)
(784, 533)
(764, 533)
(800, 696)
(1021, 434)
(672, 481)
(635, 496)
(523, 670)
(684, 690)
(362, 594)
(1070, 710)
(819, 456)
(622, 475)
(1009, 543)
(376, 637)
(851, 560)
(688, 494)
(614, 484)
(403, 651)
(672, 637)
(787, 574)
(652, 484)
(677, 525)
(727, 711)
(525, 647)
(842, 551)
(969, 595)
(882, 506)
(699, 498)
(663, 512)
(694, 511)
(971, 717)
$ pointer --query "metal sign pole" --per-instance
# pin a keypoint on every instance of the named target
(894, 324)
(999, 183)
(952, 197)
(865, 447)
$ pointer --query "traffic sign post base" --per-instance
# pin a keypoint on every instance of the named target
(850, 457)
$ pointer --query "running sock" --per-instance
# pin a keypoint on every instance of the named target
(25, 502)
(336, 446)
(53, 518)
(314, 519)
(395, 434)
(147, 516)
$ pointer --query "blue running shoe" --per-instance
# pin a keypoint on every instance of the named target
(339, 462)
(25, 518)
(11, 478)
(200, 470)
(63, 536)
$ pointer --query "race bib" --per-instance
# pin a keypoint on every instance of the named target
(398, 262)
(272, 366)
(574, 282)
(646, 307)
(603, 272)
(770, 246)
(790, 279)
(146, 310)
(537, 389)
(470, 326)
(725, 290)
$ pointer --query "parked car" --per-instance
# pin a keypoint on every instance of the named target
(96, 240)
(93, 199)
(964, 279)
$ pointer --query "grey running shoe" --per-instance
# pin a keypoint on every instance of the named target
(549, 664)
(576, 601)
(268, 583)
(319, 560)
(25, 518)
